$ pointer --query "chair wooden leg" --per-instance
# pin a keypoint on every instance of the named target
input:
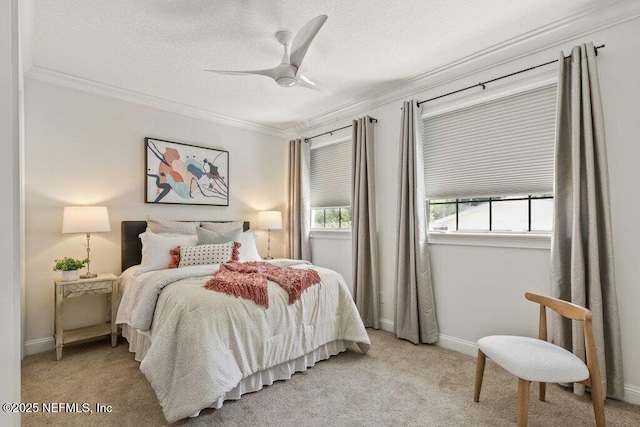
(598, 403)
(543, 391)
(523, 402)
(479, 375)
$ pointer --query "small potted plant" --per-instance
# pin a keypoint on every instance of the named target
(69, 268)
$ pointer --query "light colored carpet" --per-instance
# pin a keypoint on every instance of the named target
(397, 383)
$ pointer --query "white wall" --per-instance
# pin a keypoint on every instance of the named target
(10, 280)
(332, 249)
(480, 290)
(84, 148)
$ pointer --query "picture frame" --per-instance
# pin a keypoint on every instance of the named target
(185, 174)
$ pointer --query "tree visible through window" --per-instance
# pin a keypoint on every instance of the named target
(504, 214)
(338, 218)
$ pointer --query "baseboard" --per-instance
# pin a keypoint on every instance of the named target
(39, 345)
(631, 394)
(387, 325)
(456, 344)
(444, 341)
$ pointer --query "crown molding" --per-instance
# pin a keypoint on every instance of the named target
(90, 86)
(552, 35)
(538, 40)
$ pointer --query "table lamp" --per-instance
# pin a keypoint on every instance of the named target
(269, 220)
(86, 219)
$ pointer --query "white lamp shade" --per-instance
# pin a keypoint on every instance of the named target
(85, 219)
(270, 220)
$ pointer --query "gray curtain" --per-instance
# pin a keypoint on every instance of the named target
(415, 306)
(581, 250)
(298, 201)
(363, 217)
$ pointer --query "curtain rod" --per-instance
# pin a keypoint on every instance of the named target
(482, 84)
(372, 120)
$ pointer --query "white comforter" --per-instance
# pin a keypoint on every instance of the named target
(205, 342)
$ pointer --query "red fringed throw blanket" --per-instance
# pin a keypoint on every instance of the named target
(249, 280)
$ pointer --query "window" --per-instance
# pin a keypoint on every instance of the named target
(503, 214)
(330, 176)
(331, 217)
(488, 166)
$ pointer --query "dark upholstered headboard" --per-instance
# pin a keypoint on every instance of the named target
(131, 253)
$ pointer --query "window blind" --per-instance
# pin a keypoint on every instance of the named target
(331, 175)
(497, 148)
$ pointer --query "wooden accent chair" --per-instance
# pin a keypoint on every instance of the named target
(537, 360)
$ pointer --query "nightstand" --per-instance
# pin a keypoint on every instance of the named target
(105, 283)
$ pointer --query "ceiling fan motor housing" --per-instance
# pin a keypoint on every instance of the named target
(286, 81)
(286, 75)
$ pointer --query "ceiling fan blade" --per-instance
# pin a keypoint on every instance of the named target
(303, 39)
(271, 72)
(310, 84)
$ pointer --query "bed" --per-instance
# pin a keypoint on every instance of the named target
(199, 347)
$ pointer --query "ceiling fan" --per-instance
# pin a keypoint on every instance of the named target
(286, 74)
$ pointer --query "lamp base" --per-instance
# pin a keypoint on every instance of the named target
(268, 257)
(88, 276)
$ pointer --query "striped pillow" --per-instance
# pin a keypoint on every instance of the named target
(206, 237)
(157, 226)
(222, 227)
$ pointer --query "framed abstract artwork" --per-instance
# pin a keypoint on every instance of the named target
(178, 173)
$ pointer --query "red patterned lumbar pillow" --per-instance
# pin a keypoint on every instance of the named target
(175, 257)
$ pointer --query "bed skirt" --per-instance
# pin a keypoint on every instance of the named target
(139, 343)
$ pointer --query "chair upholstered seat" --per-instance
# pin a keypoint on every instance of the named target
(536, 360)
(533, 359)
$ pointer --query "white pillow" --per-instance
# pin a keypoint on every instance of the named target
(248, 250)
(155, 250)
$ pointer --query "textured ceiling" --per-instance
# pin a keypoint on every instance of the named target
(160, 48)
